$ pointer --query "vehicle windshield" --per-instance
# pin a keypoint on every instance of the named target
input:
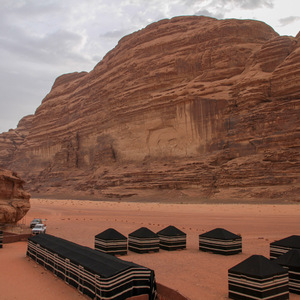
(38, 225)
(36, 220)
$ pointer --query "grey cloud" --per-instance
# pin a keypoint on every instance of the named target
(222, 6)
(29, 7)
(218, 8)
(60, 45)
(252, 4)
(205, 12)
(288, 20)
(114, 34)
(22, 90)
(54, 48)
(245, 4)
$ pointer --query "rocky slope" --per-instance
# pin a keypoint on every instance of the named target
(14, 201)
(188, 107)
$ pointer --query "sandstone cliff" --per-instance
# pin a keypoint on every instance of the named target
(14, 201)
(192, 106)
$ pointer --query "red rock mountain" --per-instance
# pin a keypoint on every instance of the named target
(191, 107)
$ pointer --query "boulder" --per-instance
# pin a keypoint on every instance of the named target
(14, 201)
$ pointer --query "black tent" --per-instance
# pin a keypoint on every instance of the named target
(1, 239)
(258, 278)
(111, 241)
(291, 261)
(171, 238)
(280, 247)
(96, 274)
(143, 240)
(220, 241)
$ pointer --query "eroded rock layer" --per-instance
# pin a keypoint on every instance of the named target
(207, 108)
(14, 201)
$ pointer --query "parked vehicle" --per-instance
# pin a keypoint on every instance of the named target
(35, 221)
(39, 228)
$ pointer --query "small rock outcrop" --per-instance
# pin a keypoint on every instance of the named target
(14, 201)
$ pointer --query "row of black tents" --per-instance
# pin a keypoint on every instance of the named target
(95, 274)
(1, 239)
(144, 240)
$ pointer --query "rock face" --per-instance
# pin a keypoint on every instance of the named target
(195, 106)
(14, 201)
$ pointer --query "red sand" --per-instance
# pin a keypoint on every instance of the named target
(195, 274)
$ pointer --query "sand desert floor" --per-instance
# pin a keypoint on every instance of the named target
(195, 274)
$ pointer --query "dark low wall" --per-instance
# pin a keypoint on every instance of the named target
(9, 237)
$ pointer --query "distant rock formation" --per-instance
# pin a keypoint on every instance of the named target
(14, 201)
(195, 106)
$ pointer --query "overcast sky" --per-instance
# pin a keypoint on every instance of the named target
(43, 39)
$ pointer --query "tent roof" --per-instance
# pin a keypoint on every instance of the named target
(95, 261)
(289, 259)
(257, 266)
(220, 233)
(171, 231)
(292, 241)
(143, 232)
(111, 234)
